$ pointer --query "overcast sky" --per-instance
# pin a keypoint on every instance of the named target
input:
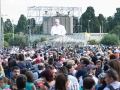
(14, 8)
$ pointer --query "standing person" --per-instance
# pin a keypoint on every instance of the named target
(15, 73)
(4, 83)
(30, 81)
(58, 29)
(112, 80)
(21, 82)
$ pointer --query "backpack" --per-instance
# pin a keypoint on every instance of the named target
(112, 88)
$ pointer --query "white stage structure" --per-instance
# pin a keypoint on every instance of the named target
(41, 12)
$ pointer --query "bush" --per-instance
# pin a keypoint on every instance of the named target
(93, 42)
(42, 39)
(6, 44)
(7, 36)
(110, 39)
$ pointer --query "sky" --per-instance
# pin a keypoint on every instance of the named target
(12, 9)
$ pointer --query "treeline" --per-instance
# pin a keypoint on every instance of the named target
(109, 24)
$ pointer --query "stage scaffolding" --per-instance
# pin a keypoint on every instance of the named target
(38, 12)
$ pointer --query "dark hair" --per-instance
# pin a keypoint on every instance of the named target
(112, 56)
(21, 57)
(24, 70)
(51, 61)
(50, 67)
(60, 82)
(29, 76)
(6, 80)
(85, 60)
(63, 70)
(86, 75)
(88, 83)
(47, 74)
(115, 64)
(12, 63)
(21, 81)
(112, 73)
(68, 66)
(15, 68)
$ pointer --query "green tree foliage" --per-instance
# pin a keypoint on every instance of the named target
(89, 14)
(8, 26)
(42, 39)
(110, 39)
(110, 24)
(7, 36)
(116, 30)
(103, 22)
(21, 26)
(116, 20)
(93, 42)
(17, 41)
(6, 44)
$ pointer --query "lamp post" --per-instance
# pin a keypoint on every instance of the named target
(89, 29)
(102, 28)
(88, 26)
(13, 32)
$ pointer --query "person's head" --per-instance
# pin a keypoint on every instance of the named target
(84, 62)
(91, 68)
(57, 22)
(61, 82)
(111, 76)
(114, 64)
(47, 75)
(12, 63)
(112, 56)
(88, 83)
(51, 61)
(52, 68)
(21, 57)
(62, 70)
(24, 70)
(70, 68)
(29, 76)
(99, 63)
(4, 81)
(101, 79)
(21, 81)
(15, 71)
(41, 66)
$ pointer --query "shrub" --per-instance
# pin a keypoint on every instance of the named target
(110, 39)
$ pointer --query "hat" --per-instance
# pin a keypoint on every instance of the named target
(37, 60)
(91, 67)
(41, 64)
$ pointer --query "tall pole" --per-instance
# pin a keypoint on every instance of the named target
(0, 28)
(102, 28)
(13, 32)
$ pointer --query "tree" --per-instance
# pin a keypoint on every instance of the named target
(17, 41)
(116, 30)
(110, 24)
(7, 36)
(8, 26)
(116, 20)
(103, 22)
(110, 39)
(21, 26)
(93, 24)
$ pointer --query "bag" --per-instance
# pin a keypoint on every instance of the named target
(112, 88)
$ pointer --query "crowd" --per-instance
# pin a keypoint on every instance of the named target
(64, 68)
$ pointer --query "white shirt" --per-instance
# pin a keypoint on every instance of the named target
(59, 30)
(114, 84)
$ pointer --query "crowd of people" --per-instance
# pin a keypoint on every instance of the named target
(64, 68)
